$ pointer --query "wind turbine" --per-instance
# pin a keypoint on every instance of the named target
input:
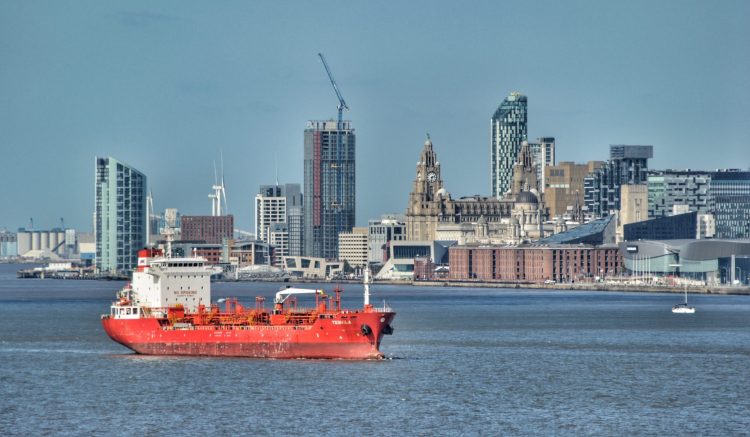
(149, 214)
(223, 189)
(219, 192)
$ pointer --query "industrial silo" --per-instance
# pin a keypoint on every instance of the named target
(35, 240)
(24, 242)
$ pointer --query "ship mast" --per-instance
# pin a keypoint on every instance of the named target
(367, 281)
(170, 217)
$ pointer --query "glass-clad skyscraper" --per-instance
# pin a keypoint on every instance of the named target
(507, 131)
(329, 186)
(731, 192)
(119, 215)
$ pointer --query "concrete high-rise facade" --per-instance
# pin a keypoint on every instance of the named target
(119, 215)
(508, 130)
(329, 172)
(278, 238)
(543, 152)
(626, 165)
(633, 206)
(721, 198)
(353, 247)
(381, 233)
(276, 205)
(688, 189)
(295, 225)
(563, 187)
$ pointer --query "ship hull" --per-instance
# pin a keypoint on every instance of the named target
(337, 338)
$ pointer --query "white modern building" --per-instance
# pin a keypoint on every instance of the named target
(278, 237)
(400, 264)
(543, 152)
(279, 205)
(312, 267)
(380, 234)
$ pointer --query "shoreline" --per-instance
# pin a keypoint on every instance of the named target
(581, 286)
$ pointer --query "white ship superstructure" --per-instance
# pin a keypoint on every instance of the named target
(160, 282)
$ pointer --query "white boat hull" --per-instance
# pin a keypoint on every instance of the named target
(683, 310)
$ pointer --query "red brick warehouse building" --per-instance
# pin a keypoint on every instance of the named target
(206, 228)
(560, 263)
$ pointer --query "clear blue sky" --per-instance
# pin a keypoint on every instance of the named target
(165, 86)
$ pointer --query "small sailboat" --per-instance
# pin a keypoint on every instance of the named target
(683, 308)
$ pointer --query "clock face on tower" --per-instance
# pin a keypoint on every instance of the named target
(431, 176)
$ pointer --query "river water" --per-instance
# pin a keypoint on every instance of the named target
(461, 362)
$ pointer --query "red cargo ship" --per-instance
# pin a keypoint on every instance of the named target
(166, 310)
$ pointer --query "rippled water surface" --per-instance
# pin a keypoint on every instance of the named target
(461, 362)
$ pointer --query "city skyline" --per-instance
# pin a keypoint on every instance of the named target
(146, 83)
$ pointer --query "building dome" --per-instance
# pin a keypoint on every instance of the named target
(442, 192)
(527, 197)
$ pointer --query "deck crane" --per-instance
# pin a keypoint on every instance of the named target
(337, 205)
(342, 103)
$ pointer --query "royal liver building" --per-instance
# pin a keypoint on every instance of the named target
(433, 214)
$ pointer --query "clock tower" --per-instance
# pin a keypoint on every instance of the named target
(427, 198)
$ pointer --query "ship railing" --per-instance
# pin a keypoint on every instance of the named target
(384, 309)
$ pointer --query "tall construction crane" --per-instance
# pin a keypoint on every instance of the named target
(337, 203)
(342, 103)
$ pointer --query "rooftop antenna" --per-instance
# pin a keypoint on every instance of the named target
(62, 224)
(276, 166)
(31, 223)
